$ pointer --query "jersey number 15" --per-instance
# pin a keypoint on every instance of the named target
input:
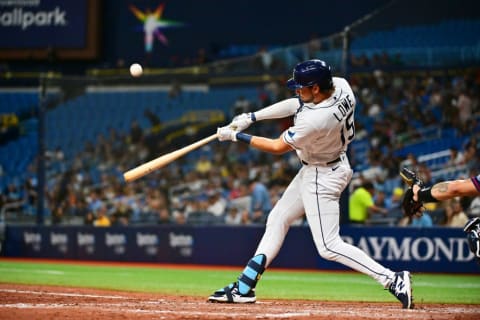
(348, 130)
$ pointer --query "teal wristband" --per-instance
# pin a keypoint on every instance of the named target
(246, 138)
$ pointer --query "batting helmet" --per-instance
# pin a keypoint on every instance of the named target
(310, 72)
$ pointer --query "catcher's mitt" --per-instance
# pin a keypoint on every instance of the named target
(411, 207)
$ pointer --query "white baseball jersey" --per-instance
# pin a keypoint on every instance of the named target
(321, 132)
(320, 135)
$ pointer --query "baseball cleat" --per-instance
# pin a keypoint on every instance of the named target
(231, 294)
(410, 177)
(401, 288)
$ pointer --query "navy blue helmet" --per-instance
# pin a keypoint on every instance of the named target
(310, 72)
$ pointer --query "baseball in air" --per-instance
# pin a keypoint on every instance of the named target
(136, 70)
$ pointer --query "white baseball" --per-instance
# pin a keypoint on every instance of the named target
(136, 70)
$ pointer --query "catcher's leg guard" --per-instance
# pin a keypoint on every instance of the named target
(251, 274)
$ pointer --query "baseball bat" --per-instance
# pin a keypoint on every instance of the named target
(162, 161)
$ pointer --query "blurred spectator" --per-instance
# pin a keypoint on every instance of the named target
(89, 219)
(180, 219)
(81, 208)
(474, 208)
(13, 195)
(471, 154)
(260, 203)
(395, 201)
(94, 200)
(242, 199)
(455, 216)
(380, 198)
(155, 199)
(102, 219)
(412, 162)
(359, 61)
(31, 194)
(203, 164)
(456, 157)
(361, 204)
(263, 97)
(217, 205)
(120, 216)
(265, 60)
(241, 105)
(56, 155)
(424, 221)
(58, 214)
(425, 174)
(464, 106)
(9, 127)
(163, 216)
(233, 216)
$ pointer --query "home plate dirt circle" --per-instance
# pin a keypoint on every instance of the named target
(48, 302)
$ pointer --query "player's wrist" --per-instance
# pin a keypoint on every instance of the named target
(425, 195)
(243, 137)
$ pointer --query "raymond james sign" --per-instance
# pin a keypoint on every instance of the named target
(414, 249)
(423, 249)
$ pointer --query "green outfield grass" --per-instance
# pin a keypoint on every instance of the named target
(275, 284)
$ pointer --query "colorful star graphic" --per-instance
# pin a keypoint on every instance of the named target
(153, 24)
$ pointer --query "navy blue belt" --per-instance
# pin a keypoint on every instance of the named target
(328, 163)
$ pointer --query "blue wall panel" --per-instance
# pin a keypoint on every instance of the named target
(417, 250)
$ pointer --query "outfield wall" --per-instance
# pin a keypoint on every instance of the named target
(418, 250)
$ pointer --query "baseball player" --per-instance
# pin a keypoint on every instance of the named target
(323, 127)
(418, 194)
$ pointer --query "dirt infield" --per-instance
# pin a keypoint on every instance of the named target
(45, 302)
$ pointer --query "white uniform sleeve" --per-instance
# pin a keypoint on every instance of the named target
(278, 110)
(301, 135)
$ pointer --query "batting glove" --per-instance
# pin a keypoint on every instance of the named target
(227, 134)
(242, 121)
